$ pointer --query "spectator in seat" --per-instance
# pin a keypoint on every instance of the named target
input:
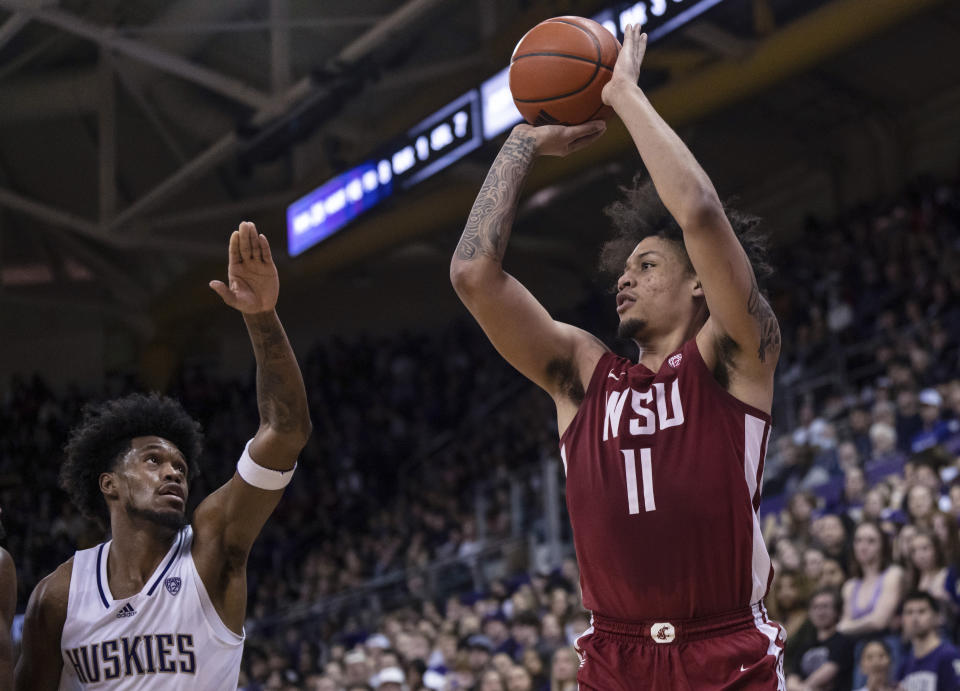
(831, 533)
(832, 575)
(934, 430)
(875, 665)
(883, 447)
(871, 596)
(921, 505)
(909, 422)
(563, 669)
(491, 681)
(928, 569)
(932, 663)
(824, 660)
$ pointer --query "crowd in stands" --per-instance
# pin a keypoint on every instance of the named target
(364, 503)
(862, 494)
(863, 525)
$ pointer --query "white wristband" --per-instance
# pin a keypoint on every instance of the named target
(258, 476)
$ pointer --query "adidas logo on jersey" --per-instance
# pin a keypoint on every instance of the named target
(126, 611)
(675, 360)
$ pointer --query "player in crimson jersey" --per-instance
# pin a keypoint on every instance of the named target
(664, 457)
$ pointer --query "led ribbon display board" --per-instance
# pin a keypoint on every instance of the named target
(450, 134)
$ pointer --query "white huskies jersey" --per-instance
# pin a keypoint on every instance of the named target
(167, 636)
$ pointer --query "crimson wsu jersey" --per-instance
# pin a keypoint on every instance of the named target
(663, 484)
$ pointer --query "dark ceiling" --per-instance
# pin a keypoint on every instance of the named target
(131, 137)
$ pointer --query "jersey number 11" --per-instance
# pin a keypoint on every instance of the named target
(646, 469)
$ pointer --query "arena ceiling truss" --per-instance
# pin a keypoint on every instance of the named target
(133, 133)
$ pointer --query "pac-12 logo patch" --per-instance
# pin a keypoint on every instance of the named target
(675, 360)
(172, 585)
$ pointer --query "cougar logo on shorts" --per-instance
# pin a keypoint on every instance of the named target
(663, 633)
(675, 360)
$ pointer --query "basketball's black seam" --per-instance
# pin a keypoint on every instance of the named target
(596, 68)
(596, 65)
(593, 37)
(596, 41)
(561, 55)
(572, 93)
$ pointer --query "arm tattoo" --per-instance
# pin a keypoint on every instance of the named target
(281, 396)
(488, 227)
(760, 309)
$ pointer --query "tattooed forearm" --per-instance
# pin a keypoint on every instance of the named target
(760, 309)
(488, 227)
(281, 397)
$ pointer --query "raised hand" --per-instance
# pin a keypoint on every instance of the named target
(560, 140)
(252, 281)
(626, 71)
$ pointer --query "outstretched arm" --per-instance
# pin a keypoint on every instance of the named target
(229, 520)
(516, 323)
(737, 308)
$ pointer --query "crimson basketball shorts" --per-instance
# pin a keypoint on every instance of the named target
(741, 650)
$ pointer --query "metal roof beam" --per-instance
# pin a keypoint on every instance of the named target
(124, 287)
(719, 40)
(312, 23)
(49, 214)
(27, 56)
(135, 91)
(63, 94)
(216, 212)
(107, 137)
(791, 49)
(279, 46)
(230, 87)
(220, 150)
(417, 75)
(12, 27)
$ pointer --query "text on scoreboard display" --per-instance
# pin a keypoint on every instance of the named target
(446, 136)
(450, 134)
(658, 17)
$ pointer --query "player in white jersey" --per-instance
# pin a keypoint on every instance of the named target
(162, 604)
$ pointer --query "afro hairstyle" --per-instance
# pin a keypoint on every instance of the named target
(105, 434)
(639, 213)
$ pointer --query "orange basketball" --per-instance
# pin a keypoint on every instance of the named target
(559, 68)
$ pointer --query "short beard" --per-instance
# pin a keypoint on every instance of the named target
(171, 521)
(631, 328)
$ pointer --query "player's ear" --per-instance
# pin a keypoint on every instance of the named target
(108, 485)
(696, 287)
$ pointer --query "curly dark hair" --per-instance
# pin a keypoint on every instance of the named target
(105, 433)
(640, 214)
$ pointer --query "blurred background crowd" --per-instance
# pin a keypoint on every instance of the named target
(412, 550)
(424, 542)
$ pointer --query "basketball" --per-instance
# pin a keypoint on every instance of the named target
(559, 68)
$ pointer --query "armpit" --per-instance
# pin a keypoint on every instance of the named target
(725, 348)
(567, 378)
